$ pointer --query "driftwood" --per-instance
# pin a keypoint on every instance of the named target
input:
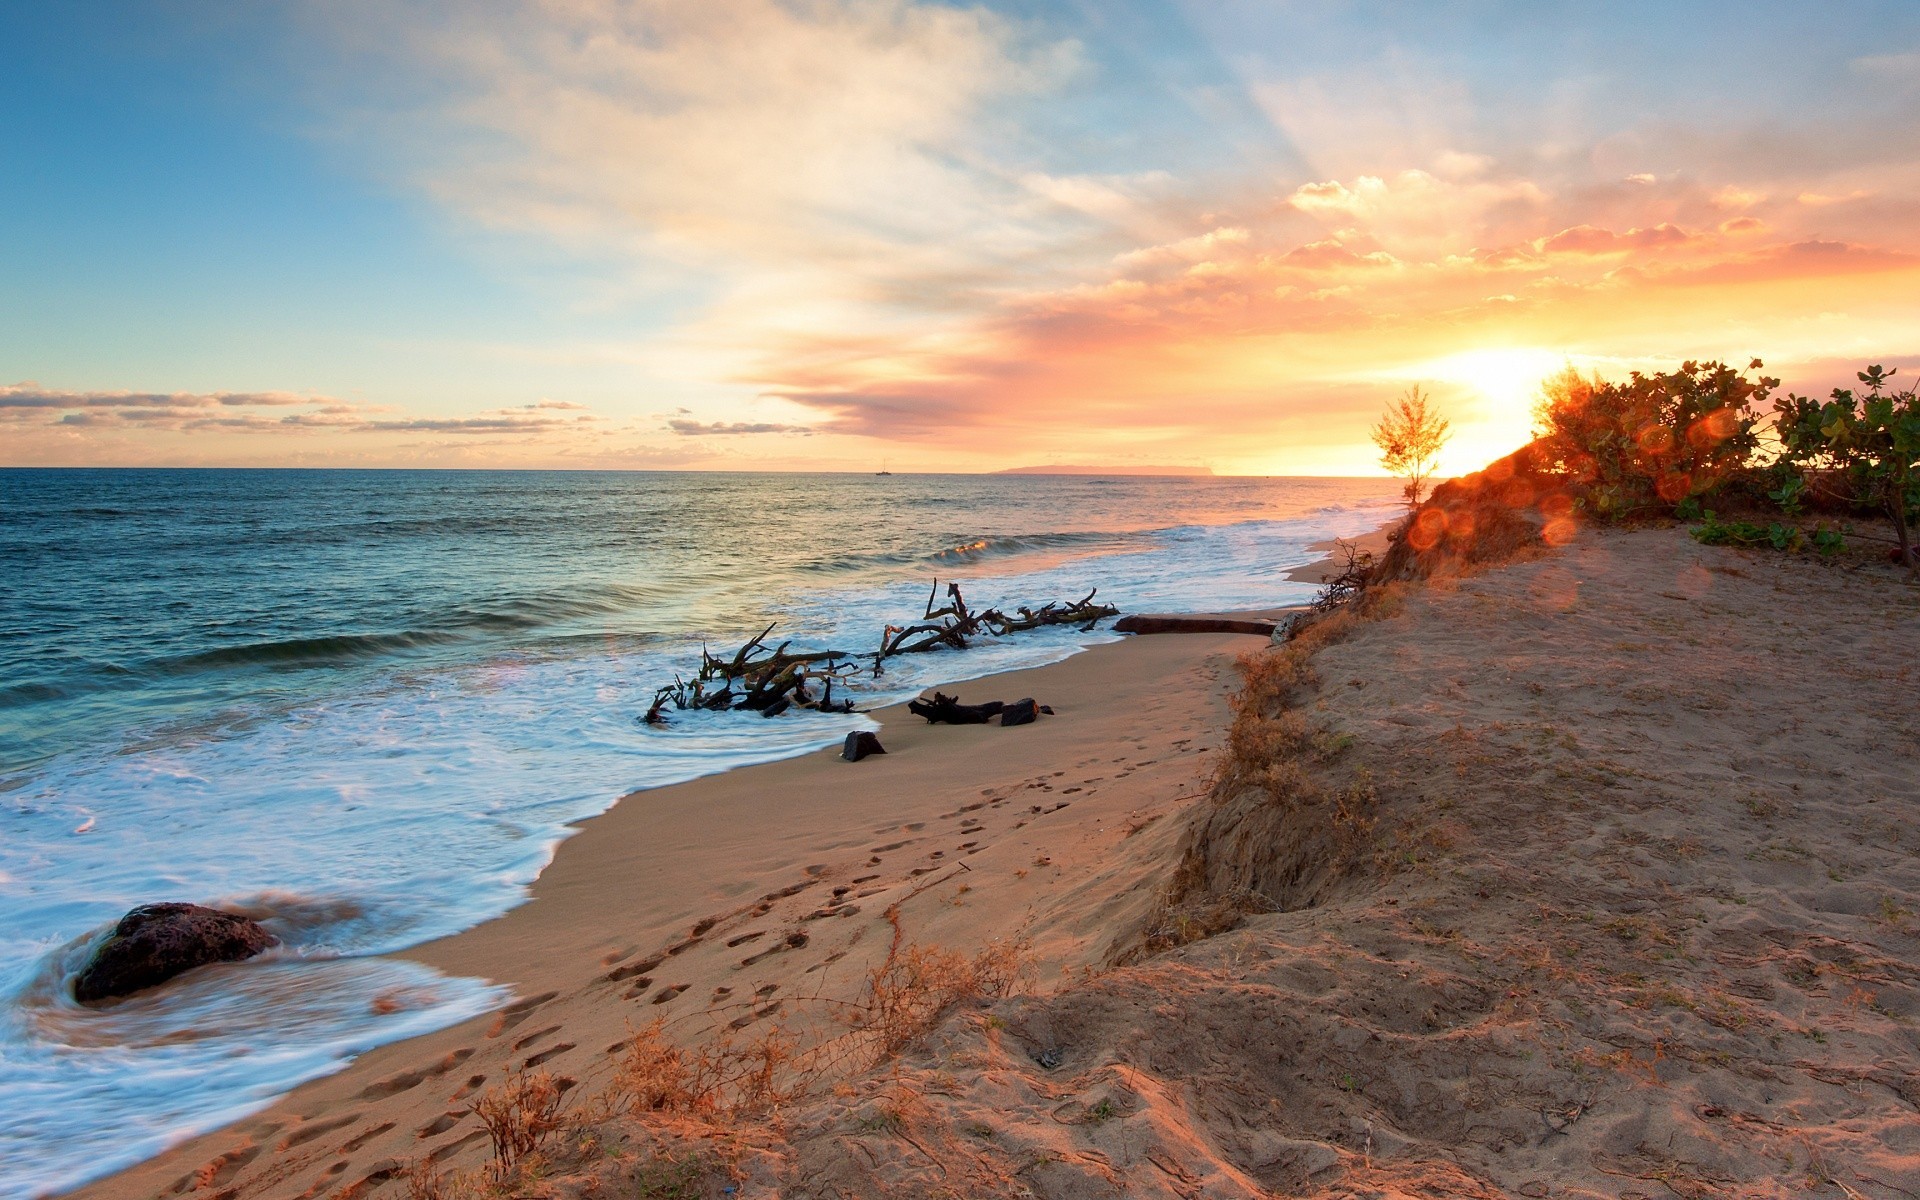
(771, 681)
(1258, 626)
(953, 623)
(947, 710)
(1356, 571)
(766, 681)
(861, 744)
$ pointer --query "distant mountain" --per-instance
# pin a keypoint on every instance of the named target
(1130, 469)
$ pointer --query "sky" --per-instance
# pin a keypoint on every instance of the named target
(855, 234)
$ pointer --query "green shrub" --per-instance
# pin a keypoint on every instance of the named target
(1866, 449)
(1654, 442)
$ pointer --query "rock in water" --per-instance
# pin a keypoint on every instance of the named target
(860, 744)
(1020, 712)
(155, 942)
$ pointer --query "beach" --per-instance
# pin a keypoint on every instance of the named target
(1636, 917)
(686, 902)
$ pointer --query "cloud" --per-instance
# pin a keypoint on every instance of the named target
(29, 403)
(838, 145)
(696, 429)
(1587, 239)
(30, 395)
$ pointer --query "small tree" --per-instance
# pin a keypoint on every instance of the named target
(1872, 442)
(1410, 435)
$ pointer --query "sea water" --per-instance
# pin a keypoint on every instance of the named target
(365, 706)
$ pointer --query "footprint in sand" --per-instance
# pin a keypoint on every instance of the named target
(517, 1012)
(441, 1153)
(221, 1169)
(309, 1130)
(744, 938)
(531, 1038)
(550, 1053)
(669, 993)
(631, 969)
(440, 1124)
(638, 989)
(473, 1084)
(360, 1139)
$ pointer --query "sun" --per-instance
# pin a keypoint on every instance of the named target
(1489, 396)
(1506, 379)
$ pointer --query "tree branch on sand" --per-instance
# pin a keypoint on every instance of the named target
(1410, 435)
(771, 681)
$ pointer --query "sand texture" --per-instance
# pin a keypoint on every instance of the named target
(1618, 900)
(756, 898)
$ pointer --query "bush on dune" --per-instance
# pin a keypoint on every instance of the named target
(1654, 442)
(1858, 452)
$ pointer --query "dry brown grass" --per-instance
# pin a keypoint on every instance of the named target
(722, 1081)
(520, 1116)
(914, 986)
(684, 1115)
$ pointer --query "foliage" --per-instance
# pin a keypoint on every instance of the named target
(1653, 442)
(1870, 442)
(1410, 435)
(1716, 532)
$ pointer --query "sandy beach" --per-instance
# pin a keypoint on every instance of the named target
(1626, 910)
(719, 903)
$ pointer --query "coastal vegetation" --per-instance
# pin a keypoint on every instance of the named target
(1694, 443)
(1410, 435)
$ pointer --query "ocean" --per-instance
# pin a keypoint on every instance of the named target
(365, 706)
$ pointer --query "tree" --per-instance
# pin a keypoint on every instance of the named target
(1410, 435)
(1872, 443)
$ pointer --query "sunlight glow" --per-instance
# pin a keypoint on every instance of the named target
(1489, 395)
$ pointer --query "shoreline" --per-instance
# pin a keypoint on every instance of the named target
(675, 876)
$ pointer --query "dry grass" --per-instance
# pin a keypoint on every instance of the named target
(722, 1081)
(520, 1116)
(914, 986)
(672, 1119)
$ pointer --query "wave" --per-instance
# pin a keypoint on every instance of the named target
(320, 651)
(999, 547)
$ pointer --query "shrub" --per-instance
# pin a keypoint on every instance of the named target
(914, 986)
(1864, 450)
(519, 1116)
(1654, 441)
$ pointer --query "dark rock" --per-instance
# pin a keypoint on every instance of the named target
(860, 744)
(155, 942)
(1021, 712)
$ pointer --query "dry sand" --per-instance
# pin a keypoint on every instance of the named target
(1640, 922)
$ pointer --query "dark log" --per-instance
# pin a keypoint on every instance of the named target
(1151, 623)
(947, 710)
(1020, 712)
(859, 745)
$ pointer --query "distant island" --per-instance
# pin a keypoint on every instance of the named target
(1064, 469)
